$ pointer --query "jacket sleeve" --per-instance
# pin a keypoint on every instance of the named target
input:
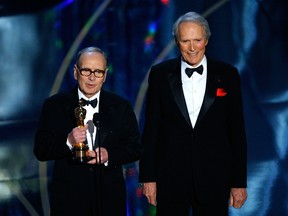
(123, 144)
(51, 134)
(237, 135)
(147, 164)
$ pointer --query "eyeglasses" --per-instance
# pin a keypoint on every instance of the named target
(87, 72)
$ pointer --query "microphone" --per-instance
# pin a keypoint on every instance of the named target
(96, 119)
(90, 127)
(91, 131)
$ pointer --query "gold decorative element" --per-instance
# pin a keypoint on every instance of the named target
(80, 149)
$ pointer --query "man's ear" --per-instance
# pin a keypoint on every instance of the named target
(176, 41)
(75, 72)
(105, 75)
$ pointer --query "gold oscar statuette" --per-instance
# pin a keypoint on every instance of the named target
(80, 150)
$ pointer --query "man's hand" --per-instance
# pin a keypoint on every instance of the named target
(77, 135)
(149, 190)
(95, 156)
(238, 197)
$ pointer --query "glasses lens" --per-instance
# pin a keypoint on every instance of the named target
(85, 71)
(99, 73)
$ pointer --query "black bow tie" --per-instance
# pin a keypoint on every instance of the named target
(93, 103)
(190, 71)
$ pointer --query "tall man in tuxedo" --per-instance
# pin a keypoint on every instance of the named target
(98, 186)
(194, 137)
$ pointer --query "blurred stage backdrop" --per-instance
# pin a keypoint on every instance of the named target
(38, 43)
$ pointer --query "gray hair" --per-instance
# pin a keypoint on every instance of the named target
(191, 17)
(90, 49)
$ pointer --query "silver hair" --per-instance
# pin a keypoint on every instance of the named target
(191, 17)
(90, 49)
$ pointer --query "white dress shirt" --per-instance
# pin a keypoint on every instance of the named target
(194, 89)
(91, 131)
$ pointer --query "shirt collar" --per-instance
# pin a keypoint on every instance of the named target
(81, 95)
(185, 64)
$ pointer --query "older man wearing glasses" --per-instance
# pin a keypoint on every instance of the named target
(94, 186)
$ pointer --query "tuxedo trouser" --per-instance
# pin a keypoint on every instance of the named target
(181, 206)
(184, 209)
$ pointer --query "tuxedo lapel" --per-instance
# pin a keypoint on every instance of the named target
(72, 103)
(174, 78)
(210, 92)
(106, 108)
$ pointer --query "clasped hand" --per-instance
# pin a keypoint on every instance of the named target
(78, 135)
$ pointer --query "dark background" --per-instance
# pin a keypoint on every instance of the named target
(38, 43)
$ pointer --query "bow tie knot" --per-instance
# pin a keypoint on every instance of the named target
(190, 71)
(93, 103)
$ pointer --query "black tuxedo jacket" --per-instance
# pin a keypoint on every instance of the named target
(208, 159)
(75, 187)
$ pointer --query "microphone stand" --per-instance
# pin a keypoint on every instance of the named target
(96, 121)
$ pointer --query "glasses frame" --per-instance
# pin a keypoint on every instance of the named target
(97, 72)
